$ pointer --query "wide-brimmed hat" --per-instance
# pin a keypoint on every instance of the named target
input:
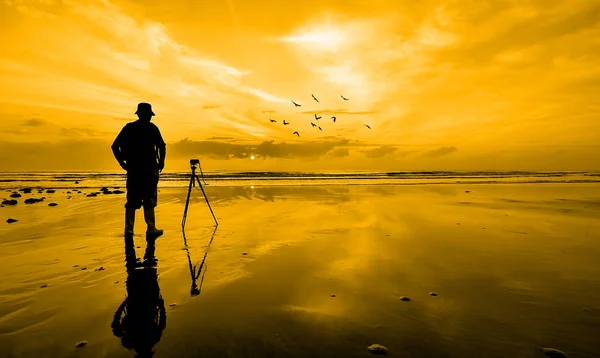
(144, 107)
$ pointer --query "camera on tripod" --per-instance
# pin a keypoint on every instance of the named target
(195, 164)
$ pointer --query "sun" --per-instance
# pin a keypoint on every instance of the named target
(252, 157)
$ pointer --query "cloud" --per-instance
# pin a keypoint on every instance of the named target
(337, 111)
(266, 149)
(339, 153)
(379, 152)
(440, 152)
(33, 122)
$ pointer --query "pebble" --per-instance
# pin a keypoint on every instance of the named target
(377, 349)
(333, 295)
(554, 353)
(15, 195)
(432, 294)
(81, 344)
(404, 298)
(50, 191)
(118, 192)
(43, 286)
(52, 204)
(173, 305)
(100, 268)
(467, 191)
(11, 220)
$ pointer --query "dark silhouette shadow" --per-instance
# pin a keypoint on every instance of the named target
(141, 318)
(197, 269)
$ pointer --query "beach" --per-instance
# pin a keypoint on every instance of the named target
(488, 269)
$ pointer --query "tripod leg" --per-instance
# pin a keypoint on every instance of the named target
(187, 201)
(211, 211)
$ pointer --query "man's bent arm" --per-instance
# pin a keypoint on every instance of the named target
(116, 149)
(162, 152)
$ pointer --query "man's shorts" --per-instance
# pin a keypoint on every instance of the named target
(142, 189)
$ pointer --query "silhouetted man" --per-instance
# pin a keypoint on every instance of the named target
(140, 150)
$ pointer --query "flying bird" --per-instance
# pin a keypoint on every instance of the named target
(320, 128)
(272, 120)
(296, 133)
(312, 124)
(366, 125)
(296, 104)
(317, 118)
(285, 123)
(333, 119)
(315, 98)
(344, 98)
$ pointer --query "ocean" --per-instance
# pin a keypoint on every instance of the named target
(83, 180)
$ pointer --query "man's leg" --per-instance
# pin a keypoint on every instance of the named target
(150, 202)
(134, 201)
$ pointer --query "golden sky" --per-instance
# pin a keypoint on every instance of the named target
(444, 85)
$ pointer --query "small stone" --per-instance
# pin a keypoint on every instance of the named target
(11, 220)
(50, 191)
(100, 268)
(76, 182)
(15, 195)
(52, 204)
(43, 286)
(377, 349)
(467, 191)
(104, 189)
(118, 192)
(75, 265)
(33, 200)
(107, 192)
(404, 298)
(483, 228)
(554, 353)
(432, 294)
(81, 344)
(333, 295)
(83, 268)
(173, 305)
(244, 253)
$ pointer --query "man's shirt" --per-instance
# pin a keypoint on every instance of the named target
(139, 142)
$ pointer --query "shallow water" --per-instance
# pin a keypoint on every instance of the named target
(514, 266)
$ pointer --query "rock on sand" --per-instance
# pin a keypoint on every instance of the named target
(81, 344)
(554, 353)
(404, 298)
(377, 349)
(11, 220)
(9, 202)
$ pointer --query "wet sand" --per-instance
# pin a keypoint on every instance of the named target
(515, 268)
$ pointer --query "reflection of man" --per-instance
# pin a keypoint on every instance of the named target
(140, 150)
(141, 318)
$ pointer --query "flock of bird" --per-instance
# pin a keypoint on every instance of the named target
(316, 116)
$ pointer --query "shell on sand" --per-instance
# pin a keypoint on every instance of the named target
(554, 353)
(377, 349)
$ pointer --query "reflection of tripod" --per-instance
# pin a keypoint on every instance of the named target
(193, 179)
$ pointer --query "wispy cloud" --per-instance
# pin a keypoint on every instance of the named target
(380, 152)
(337, 111)
(440, 152)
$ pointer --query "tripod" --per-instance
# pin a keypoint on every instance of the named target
(193, 179)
